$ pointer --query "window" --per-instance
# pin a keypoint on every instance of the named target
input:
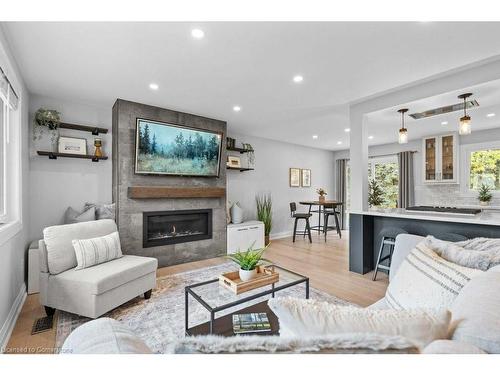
(385, 171)
(9, 163)
(484, 168)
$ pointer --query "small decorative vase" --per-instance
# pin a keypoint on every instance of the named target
(247, 275)
(266, 240)
(236, 214)
(322, 198)
(98, 145)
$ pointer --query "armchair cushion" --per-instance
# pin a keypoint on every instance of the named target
(97, 250)
(103, 277)
(58, 241)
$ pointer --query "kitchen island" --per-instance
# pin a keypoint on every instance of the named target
(365, 228)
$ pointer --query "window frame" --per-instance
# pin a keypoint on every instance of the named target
(4, 212)
(387, 159)
(465, 155)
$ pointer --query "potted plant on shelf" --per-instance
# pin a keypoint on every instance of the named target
(265, 213)
(484, 195)
(248, 261)
(46, 119)
(375, 194)
(322, 194)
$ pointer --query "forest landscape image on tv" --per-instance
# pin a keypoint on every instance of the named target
(170, 149)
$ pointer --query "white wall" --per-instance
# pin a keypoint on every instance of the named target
(13, 249)
(434, 194)
(57, 184)
(272, 162)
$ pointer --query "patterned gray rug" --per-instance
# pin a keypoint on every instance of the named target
(160, 319)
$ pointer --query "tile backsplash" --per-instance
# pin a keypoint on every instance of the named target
(446, 195)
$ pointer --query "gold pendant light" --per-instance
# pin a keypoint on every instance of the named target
(403, 132)
(465, 126)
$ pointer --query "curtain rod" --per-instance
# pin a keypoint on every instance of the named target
(393, 154)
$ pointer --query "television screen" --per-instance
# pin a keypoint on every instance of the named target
(170, 149)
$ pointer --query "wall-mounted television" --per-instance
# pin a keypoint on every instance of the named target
(163, 148)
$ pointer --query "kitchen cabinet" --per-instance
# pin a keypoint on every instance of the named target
(440, 159)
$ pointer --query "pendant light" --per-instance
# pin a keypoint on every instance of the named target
(403, 132)
(465, 126)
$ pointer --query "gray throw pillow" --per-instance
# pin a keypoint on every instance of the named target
(103, 211)
(73, 216)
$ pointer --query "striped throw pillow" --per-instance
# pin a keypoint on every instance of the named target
(425, 280)
(93, 251)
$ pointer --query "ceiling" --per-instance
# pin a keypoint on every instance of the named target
(384, 124)
(247, 64)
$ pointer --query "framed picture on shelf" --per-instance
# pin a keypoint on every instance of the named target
(306, 178)
(294, 177)
(234, 161)
(69, 145)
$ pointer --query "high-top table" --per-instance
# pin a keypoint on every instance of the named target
(321, 209)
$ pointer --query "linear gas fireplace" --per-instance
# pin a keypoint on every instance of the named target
(171, 227)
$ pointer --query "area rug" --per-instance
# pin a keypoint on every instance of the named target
(160, 319)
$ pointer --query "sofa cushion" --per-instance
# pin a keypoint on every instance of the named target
(451, 347)
(402, 247)
(476, 313)
(425, 280)
(58, 241)
(303, 318)
(97, 250)
(103, 336)
(105, 276)
(73, 216)
(102, 210)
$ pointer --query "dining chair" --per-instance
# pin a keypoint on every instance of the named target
(331, 212)
(300, 216)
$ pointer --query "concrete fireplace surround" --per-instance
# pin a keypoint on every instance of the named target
(129, 210)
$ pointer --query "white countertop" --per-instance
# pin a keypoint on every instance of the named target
(488, 217)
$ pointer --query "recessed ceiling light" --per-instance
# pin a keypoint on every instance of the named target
(444, 122)
(154, 86)
(339, 142)
(197, 33)
(236, 108)
(315, 136)
(370, 137)
(298, 79)
(347, 130)
(490, 115)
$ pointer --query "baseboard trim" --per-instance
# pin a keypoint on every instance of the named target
(277, 236)
(11, 320)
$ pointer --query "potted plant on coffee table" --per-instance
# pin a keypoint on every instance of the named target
(484, 195)
(248, 261)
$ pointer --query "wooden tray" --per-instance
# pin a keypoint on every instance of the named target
(266, 275)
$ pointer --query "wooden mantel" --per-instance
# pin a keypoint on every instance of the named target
(155, 192)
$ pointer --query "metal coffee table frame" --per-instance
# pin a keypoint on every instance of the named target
(213, 310)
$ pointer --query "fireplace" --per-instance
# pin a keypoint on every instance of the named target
(171, 227)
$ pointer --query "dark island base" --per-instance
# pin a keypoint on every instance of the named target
(364, 237)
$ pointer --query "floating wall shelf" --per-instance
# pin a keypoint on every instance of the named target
(238, 149)
(55, 155)
(240, 169)
(92, 129)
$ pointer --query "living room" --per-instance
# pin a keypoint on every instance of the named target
(236, 187)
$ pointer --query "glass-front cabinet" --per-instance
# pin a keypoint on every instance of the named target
(440, 159)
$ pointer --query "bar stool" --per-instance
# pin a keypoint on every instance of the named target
(388, 239)
(327, 214)
(298, 216)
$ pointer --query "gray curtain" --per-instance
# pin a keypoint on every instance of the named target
(406, 187)
(340, 188)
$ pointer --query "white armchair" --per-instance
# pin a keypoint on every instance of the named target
(92, 291)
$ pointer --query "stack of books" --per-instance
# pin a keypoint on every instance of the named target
(251, 323)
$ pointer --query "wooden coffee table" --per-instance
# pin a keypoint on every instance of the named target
(216, 298)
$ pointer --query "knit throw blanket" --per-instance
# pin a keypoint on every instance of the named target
(480, 253)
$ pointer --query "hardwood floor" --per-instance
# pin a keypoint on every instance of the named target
(326, 264)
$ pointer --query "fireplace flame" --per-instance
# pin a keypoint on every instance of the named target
(173, 230)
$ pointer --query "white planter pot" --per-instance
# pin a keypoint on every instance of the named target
(247, 275)
(236, 214)
(484, 203)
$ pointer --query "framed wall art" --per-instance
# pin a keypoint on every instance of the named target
(306, 178)
(294, 177)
